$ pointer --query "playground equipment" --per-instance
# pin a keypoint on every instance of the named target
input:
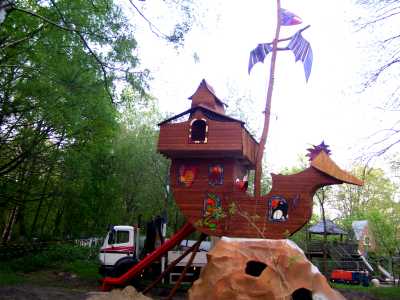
(211, 152)
(212, 155)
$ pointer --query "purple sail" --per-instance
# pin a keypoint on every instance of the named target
(258, 54)
(302, 51)
(288, 18)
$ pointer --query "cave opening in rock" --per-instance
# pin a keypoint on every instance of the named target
(255, 268)
(302, 294)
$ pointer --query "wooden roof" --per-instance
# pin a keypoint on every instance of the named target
(205, 96)
(205, 110)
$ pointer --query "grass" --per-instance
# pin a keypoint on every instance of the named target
(382, 293)
(58, 259)
(9, 277)
(84, 269)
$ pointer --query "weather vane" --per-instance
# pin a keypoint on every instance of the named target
(302, 51)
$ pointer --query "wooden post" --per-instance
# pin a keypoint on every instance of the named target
(267, 111)
(178, 283)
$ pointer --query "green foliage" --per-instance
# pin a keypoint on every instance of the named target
(55, 256)
(375, 202)
(300, 237)
(141, 173)
(60, 257)
(9, 277)
(378, 191)
(85, 269)
(386, 293)
(75, 155)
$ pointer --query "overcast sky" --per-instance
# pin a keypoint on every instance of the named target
(329, 107)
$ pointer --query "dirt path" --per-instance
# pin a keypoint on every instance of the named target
(51, 285)
(30, 292)
(48, 285)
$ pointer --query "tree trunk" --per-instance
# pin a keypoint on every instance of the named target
(44, 222)
(325, 242)
(57, 221)
(40, 204)
(6, 236)
(46, 184)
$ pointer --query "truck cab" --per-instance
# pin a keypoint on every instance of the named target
(123, 247)
(120, 250)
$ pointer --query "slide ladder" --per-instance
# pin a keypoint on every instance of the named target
(109, 282)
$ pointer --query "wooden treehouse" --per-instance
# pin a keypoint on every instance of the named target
(212, 155)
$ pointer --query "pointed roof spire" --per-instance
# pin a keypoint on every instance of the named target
(205, 97)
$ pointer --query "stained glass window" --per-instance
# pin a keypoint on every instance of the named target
(216, 174)
(211, 203)
(187, 175)
(277, 209)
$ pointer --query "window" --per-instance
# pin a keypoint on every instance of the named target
(216, 174)
(187, 175)
(278, 209)
(118, 237)
(198, 131)
(211, 204)
(111, 237)
(212, 211)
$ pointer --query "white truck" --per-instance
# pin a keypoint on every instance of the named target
(122, 248)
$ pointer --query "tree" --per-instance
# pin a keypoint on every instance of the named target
(378, 24)
(378, 191)
(59, 65)
(375, 202)
(322, 196)
(142, 172)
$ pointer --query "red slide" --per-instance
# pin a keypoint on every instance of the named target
(109, 282)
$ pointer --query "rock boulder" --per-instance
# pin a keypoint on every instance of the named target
(250, 269)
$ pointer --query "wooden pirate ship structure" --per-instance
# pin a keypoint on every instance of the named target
(212, 155)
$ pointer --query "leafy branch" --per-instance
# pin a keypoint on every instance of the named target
(72, 28)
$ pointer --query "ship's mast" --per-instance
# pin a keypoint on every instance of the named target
(268, 100)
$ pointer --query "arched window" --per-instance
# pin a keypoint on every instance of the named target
(198, 131)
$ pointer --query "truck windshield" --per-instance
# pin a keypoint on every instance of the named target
(118, 237)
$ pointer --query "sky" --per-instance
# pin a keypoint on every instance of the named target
(329, 107)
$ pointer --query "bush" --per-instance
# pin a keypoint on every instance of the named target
(55, 256)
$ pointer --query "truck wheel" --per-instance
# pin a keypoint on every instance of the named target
(122, 267)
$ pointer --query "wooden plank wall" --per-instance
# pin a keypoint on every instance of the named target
(222, 136)
(249, 147)
(224, 139)
(251, 217)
